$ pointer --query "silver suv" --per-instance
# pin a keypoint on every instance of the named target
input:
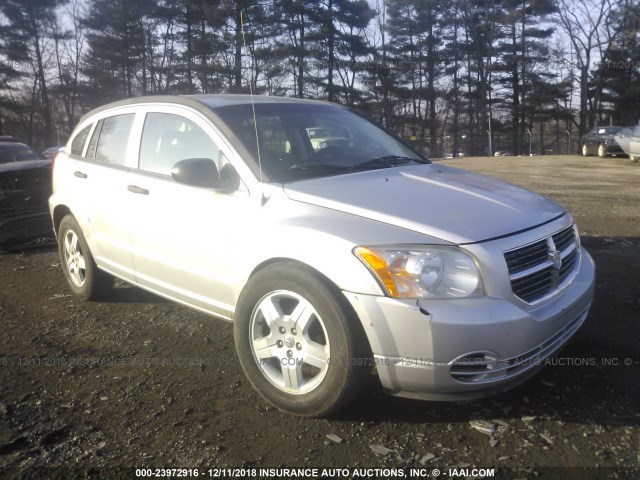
(332, 263)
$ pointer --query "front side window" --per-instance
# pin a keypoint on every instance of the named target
(168, 138)
(77, 146)
(113, 139)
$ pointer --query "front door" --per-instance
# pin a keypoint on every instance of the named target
(180, 234)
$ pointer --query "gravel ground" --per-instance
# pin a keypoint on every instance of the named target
(142, 382)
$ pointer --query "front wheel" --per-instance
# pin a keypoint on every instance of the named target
(602, 151)
(299, 342)
(82, 274)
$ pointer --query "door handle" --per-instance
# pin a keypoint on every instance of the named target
(136, 189)
(80, 174)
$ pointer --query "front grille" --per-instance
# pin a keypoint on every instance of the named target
(540, 268)
(24, 191)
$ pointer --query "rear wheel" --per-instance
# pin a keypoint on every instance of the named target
(585, 150)
(299, 341)
(83, 276)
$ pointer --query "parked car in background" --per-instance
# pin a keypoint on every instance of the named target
(601, 141)
(332, 263)
(51, 152)
(9, 138)
(502, 153)
(629, 141)
(25, 187)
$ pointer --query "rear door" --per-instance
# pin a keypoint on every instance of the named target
(97, 173)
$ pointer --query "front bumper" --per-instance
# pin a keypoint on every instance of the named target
(415, 344)
(23, 229)
(614, 149)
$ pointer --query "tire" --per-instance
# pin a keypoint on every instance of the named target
(635, 159)
(585, 150)
(83, 276)
(602, 151)
(311, 370)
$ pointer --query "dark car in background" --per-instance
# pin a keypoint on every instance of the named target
(601, 141)
(51, 152)
(25, 187)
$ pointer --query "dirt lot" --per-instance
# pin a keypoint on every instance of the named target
(141, 382)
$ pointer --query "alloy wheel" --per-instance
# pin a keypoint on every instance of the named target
(74, 258)
(289, 342)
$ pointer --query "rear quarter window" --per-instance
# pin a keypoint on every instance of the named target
(113, 138)
(77, 145)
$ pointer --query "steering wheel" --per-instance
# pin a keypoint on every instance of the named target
(328, 154)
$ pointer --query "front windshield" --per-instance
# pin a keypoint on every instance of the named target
(11, 152)
(609, 130)
(299, 140)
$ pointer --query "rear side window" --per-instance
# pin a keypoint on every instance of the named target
(77, 146)
(167, 139)
(113, 139)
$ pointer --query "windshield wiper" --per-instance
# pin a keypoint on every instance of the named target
(385, 162)
(304, 170)
(315, 167)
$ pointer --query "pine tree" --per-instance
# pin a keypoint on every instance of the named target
(415, 31)
(298, 21)
(341, 46)
(523, 46)
(621, 72)
(116, 64)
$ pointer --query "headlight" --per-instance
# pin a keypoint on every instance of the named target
(423, 272)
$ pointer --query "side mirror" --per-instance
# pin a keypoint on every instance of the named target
(197, 172)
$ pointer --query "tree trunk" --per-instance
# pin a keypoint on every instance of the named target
(237, 67)
(515, 96)
(44, 94)
(301, 58)
(584, 87)
(331, 47)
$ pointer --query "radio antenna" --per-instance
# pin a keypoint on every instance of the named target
(253, 105)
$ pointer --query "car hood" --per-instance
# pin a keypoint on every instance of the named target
(23, 165)
(442, 202)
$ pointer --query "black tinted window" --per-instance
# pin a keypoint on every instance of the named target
(167, 139)
(80, 139)
(114, 136)
(11, 152)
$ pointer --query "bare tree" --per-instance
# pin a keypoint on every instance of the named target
(68, 50)
(586, 25)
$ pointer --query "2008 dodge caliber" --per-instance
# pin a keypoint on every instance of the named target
(332, 259)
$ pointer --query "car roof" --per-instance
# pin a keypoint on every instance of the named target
(206, 105)
(20, 144)
(202, 102)
(9, 139)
